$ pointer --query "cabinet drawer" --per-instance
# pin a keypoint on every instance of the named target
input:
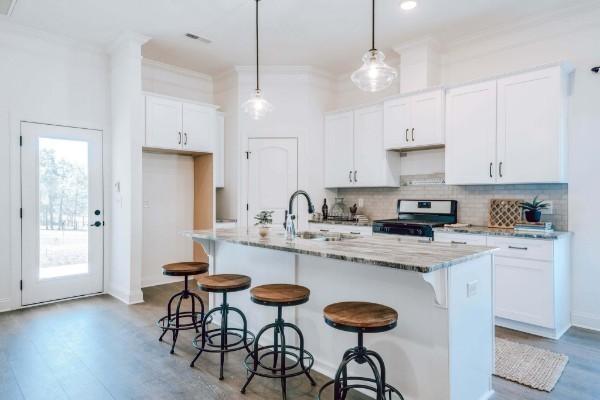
(523, 248)
(460, 238)
(355, 230)
(524, 291)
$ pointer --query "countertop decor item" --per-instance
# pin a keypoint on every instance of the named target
(374, 75)
(264, 220)
(256, 106)
(339, 210)
(353, 211)
(504, 213)
(533, 209)
(325, 209)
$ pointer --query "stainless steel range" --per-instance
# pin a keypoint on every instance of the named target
(418, 218)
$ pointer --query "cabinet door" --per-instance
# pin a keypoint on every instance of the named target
(163, 123)
(530, 127)
(370, 159)
(339, 150)
(471, 134)
(426, 117)
(199, 124)
(396, 123)
(219, 154)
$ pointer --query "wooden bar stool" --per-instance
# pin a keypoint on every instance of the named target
(279, 295)
(205, 341)
(361, 318)
(176, 322)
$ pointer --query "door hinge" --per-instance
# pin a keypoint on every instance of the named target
(247, 207)
(21, 284)
(247, 155)
(21, 213)
(20, 140)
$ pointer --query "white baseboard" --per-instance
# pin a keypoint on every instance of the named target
(126, 297)
(532, 329)
(586, 321)
(156, 280)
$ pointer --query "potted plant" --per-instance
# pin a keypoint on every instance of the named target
(533, 209)
(263, 220)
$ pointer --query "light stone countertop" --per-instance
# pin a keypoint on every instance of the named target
(381, 250)
(484, 230)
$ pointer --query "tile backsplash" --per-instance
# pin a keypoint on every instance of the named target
(473, 201)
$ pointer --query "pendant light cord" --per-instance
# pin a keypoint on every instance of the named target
(373, 27)
(257, 75)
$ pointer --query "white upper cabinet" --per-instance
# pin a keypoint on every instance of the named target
(175, 125)
(339, 149)
(199, 128)
(219, 154)
(531, 127)
(508, 131)
(471, 134)
(414, 121)
(354, 151)
(163, 123)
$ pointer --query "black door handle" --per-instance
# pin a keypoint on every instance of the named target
(97, 224)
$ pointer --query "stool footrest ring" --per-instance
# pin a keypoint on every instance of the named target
(294, 369)
(389, 389)
(215, 347)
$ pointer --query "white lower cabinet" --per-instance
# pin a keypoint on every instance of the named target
(532, 281)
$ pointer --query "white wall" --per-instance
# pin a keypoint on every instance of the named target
(49, 79)
(168, 209)
(176, 82)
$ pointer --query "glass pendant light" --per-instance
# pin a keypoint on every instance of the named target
(375, 74)
(256, 106)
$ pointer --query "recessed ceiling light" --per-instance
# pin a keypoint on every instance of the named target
(408, 5)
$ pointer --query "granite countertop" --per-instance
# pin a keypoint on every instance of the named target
(386, 251)
(484, 230)
(334, 222)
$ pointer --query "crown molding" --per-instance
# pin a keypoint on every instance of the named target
(176, 70)
(128, 37)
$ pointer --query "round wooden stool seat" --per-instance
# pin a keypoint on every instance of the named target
(224, 282)
(185, 268)
(280, 294)
(357, 316)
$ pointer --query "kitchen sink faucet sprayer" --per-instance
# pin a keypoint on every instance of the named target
(290, 228)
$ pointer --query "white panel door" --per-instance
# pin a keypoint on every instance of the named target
(199, 128)
(396, 123)
(219, 154)
(163, 123)
(63, 215)
(369, 153)
(339, 150)
(471, 134)
(426, 117)
(272, 176)
(529, 127)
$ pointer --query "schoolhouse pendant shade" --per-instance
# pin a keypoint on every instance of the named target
(375, 74)
(256, 106)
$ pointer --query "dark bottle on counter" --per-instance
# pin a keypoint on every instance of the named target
(325, 209)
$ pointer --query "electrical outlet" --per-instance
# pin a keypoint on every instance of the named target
(549, 210)
(472, 288)
(361, 203)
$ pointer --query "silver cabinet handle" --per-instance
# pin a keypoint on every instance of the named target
(453, 242)
(500, 169)
(406, 135)
(491, 165)
(413, 134)
(350, 176)
(355, 180)
(179, 140)
(355, 233)
(517, 248)
(185, 136)
(323, 230)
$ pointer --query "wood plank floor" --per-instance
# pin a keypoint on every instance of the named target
(99, 348)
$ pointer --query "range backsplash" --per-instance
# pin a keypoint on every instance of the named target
(473, 201)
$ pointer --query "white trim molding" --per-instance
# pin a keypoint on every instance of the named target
(586, 320)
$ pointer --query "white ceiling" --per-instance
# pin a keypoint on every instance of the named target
(330, 34)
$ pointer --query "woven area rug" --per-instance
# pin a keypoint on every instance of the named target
(528, 365)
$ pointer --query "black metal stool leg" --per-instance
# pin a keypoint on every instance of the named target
(205, 322)
(223, 333)
(282, 370)
(301, 352)
(176, 330)
(168, 314)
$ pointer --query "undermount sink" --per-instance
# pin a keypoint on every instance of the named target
(324, 237)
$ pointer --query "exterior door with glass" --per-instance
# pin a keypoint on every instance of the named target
(62, 212)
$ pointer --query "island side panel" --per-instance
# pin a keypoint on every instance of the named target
(416, 352)
(471, 312)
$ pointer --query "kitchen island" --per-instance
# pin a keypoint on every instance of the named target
(443, 346)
